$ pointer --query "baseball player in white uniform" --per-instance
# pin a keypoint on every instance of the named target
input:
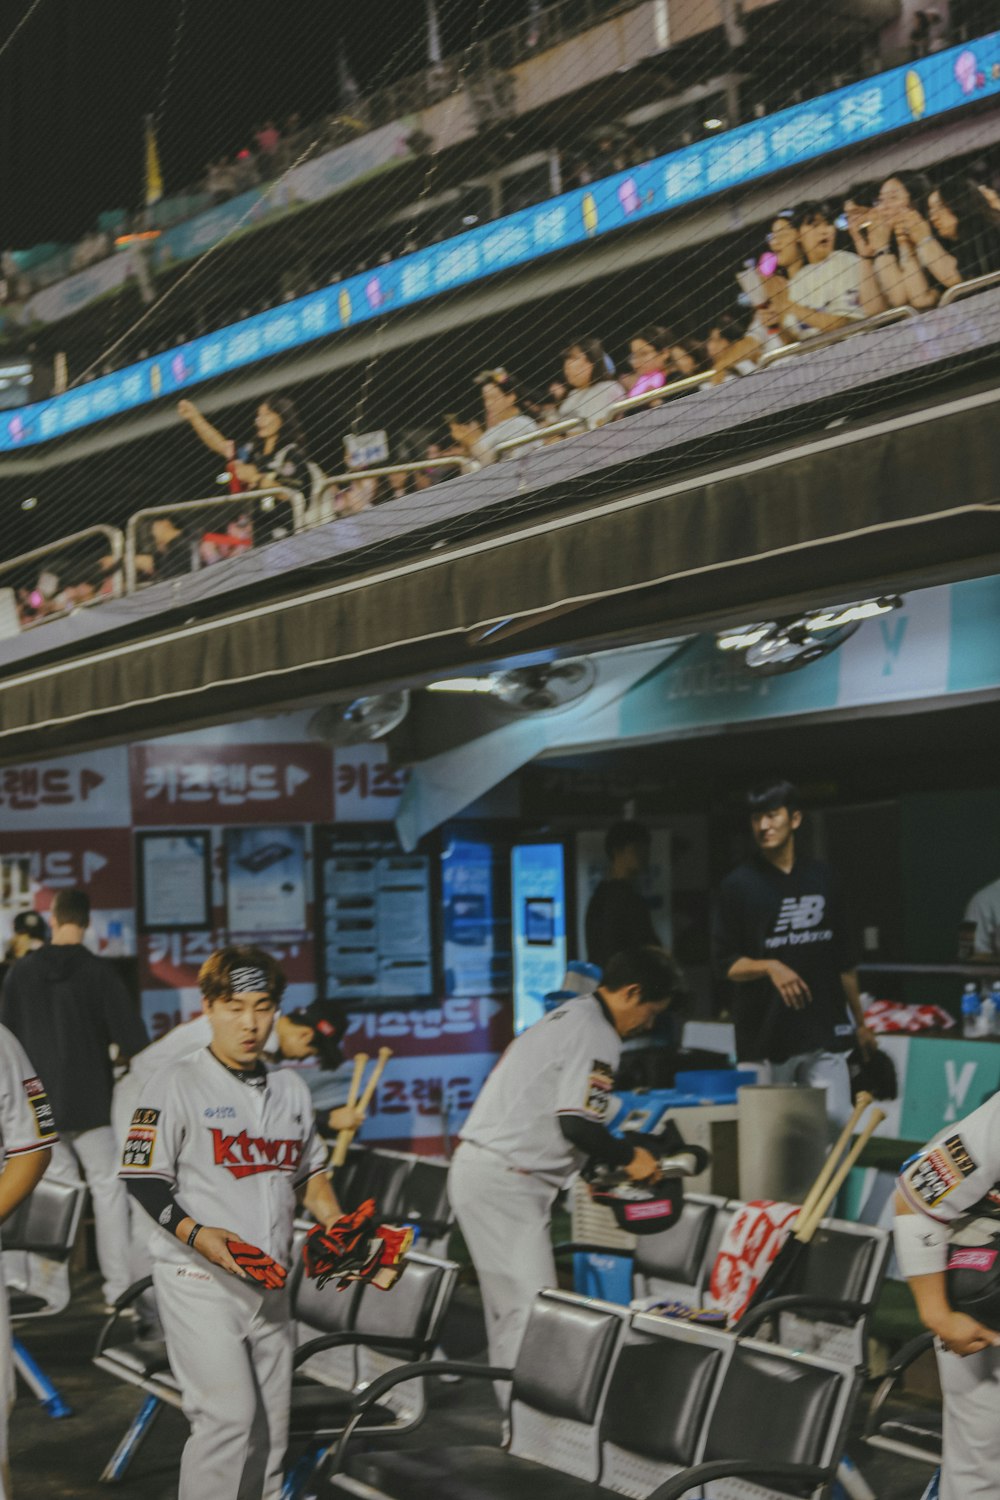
(27, 1135)
(217, 1148)
(538, 1118)
(950, 1193)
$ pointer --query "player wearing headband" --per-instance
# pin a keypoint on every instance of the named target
(216, 1151)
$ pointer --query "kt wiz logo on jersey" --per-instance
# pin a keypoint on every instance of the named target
(245, 1155)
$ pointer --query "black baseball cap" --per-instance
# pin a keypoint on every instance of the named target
(329, 1022)
(33, 925)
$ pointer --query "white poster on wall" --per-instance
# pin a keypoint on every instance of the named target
(75, 791)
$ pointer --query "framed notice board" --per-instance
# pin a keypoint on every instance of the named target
(374, 915)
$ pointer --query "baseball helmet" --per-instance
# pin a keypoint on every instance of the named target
(974, 1281)
(329, 1022)
(872, 1073)
(648, 1207)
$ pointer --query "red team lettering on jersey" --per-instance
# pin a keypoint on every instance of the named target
(245, 1155)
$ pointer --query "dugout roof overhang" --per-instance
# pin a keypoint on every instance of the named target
(705, 512)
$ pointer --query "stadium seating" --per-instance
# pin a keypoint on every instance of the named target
(607, 1404)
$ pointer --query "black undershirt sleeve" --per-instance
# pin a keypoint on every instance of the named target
(155, 1196)
(595, 1141)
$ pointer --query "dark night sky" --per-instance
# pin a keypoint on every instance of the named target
(77, 80)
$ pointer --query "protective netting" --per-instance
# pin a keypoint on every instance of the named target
(482, 221)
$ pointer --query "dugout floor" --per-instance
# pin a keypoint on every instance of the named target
(64, 1458)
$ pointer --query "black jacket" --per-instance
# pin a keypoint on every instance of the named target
(617, 918)
(66, 1007)
(797, 918)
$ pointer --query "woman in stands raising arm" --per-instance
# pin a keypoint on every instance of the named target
(275, 455)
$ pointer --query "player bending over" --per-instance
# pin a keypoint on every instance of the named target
(947, 1207)
(215, 1153)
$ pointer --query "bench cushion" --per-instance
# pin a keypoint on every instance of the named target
(143, 1357)
(468, 1474)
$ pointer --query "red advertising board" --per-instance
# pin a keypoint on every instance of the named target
(180, 783)
(95, 860)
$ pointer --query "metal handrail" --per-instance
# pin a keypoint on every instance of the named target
(967, 288)
(672, 388)
(273, 492)
(823, 340)
(116, 544)
(334, 481)
(554, 429)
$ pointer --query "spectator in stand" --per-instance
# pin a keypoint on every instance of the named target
(689, 357)
(896, 225)
(649, 356)
(726, 341)
(590, 377)
(782, 258)
(276, 455)
(831, 289)
(504, 416)
(957, 239)
(171, 553)
(268, 143)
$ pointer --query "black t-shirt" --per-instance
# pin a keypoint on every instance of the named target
(617, 918)
(798, 919)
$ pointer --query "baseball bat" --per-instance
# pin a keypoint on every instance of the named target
(830, 1165)
(384, 1054)
(344, 1137)
(826, 1198)
(779, 1273)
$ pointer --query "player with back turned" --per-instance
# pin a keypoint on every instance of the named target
(216, 1151)
(538, 1119)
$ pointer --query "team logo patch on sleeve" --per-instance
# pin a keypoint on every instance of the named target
(146, 1117)
(959, 1155)
(934, 1176)
(599, 1084)
(45, 1125)
(139, 1144)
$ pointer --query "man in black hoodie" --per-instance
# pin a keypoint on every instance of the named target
(67, 1007)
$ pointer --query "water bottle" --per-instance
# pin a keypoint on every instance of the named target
(995, 997)
(971, 1012)
(987, 1014)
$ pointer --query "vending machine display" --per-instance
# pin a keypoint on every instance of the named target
(538, 903)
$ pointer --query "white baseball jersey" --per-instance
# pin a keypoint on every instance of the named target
(563, 1065)
(328, 1090)
(958, 1173)
(234, 1153)
(182, 1041)
(26, 1122)
(26, 1125)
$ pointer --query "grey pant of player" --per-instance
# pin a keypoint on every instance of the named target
(505, 1218)
(817, 1070)
(971, 1388)
(94, 1156)
(231, 1351)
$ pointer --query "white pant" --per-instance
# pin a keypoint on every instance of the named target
(817, 1070)
(7, 1381)
(94, 1156)
(505, 1219)
(971, 1389)
(231, 1351)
